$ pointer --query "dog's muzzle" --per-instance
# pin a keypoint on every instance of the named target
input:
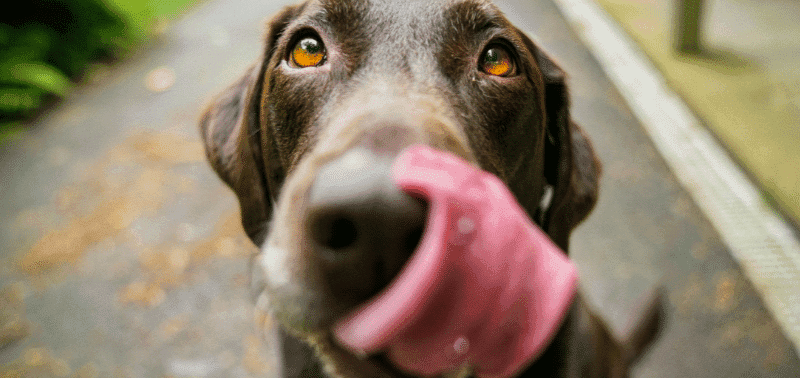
(359, 225)
(342, 229)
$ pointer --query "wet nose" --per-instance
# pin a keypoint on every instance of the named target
(360, 226)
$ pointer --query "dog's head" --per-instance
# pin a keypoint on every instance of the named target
(307, 136)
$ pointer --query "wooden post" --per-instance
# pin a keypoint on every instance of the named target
(687, 28)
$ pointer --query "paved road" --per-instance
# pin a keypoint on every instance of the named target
(122, 253)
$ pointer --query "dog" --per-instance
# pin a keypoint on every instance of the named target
(306, 138)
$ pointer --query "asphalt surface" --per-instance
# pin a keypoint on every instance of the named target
(122, 254)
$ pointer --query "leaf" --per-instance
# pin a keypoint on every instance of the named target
(16, 100)
(35, 74)
(38, 39)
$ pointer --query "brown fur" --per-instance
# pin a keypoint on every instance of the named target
(412, 64)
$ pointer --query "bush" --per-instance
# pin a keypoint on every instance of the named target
(46, 44)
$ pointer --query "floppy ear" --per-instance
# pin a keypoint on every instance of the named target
(571, 169)
(234, 141)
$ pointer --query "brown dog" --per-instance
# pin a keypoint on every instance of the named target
(306, 138)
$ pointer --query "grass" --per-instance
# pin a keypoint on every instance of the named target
(736, 97)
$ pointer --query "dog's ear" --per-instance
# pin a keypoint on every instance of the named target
(234, 142)
(572, 169)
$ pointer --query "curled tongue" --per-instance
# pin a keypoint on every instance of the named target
(485, 287)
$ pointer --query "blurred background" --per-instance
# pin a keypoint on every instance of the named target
(47, 46)
(123, 255)
(735, 62)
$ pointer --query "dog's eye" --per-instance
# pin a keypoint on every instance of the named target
(308, 52)
(496, 60)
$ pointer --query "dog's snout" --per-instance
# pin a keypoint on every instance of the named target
(359, 225)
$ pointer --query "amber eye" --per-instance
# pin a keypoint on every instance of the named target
(308, 52)
(496, 60)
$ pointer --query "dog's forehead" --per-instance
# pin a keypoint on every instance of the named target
(404, 37)
(398, 7)
(418, 12)
(399, 20)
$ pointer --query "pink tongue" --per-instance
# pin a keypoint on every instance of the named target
(486, 287)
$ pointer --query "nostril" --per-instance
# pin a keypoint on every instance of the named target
(343, 233)
(412, 239)
(335, 232)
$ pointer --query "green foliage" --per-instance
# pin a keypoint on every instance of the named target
(33, 75)
(46, 43)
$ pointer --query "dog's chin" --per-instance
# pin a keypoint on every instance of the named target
(278, 297)
(340, 362)
(316, 331)
(343, 363)
(303, 315)
(310, 318)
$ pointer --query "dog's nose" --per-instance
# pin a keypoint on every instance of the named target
(360, 226)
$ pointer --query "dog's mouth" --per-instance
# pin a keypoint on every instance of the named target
(384, 363)
(484, 288)
(480, 285)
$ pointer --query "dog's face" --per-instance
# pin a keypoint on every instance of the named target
(458, 73)
(311, 131)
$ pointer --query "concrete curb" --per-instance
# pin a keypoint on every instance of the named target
(763, 244)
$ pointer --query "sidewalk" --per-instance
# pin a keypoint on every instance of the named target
(765, 246)
(746, 88)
